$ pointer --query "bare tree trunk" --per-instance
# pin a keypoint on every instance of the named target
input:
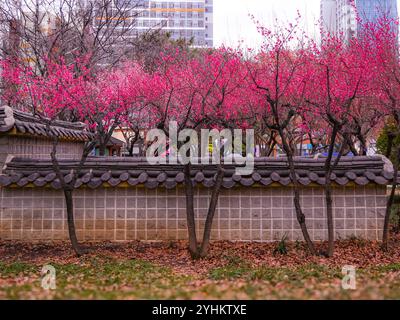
(71, 223)
(130, 150)
(296, 189)
(364, 148)
(102, 150)
(211, 212)
(329, 167)
(191, 225)
(68, 196)
(329, 209)
(328, 188)
(131, 146)
(130, 140)
(271, 149)
(398, 221)
(352, 147)
(301, 146)
(390, 137)
(296, 199)
(301, 218)
(389, 206)
(68, 190)
(105, 137)
(329, 215)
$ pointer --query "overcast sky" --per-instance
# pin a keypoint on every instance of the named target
(232, 23)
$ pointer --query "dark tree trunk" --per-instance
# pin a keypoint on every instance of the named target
(363, 151)
(68, 192)
(296, 199)
(299, 212)
(329, 215)
(363, 145)
(314, 146)
(271, 149)
(353, 149)
(102, 149)
(390, 137)
(389, 206)
(71, 224)
(130, 151)
(328, 190)
(131, 144)
(398, 220)
(130, 148)
(268, 146)
(191, 225)
(301, 146)
(293, 176)
(211, 212)
(69, 187)
(104, 138)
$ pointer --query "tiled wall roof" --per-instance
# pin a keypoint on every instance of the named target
(99, 171)
(29, 124)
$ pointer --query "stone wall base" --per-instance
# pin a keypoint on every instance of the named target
(243, 214)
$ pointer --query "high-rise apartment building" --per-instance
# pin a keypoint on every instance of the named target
(346, 18)
(328, 15)
(340, 16)
(187, 19)
(372, 10)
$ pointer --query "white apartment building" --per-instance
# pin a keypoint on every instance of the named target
(340, 16)
(186, 19)
(346, 19)
(328, 16)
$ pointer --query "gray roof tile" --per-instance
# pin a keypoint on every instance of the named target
(114, 171)
(29, 124)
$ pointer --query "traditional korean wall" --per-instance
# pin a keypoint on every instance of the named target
(248, 214)
(37, 147)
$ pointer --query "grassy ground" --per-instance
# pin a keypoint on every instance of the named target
(164, 271)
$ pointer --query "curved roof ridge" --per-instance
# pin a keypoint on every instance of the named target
(28, 123)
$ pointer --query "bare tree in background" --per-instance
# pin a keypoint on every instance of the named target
(91, 34)
(103, 31)
(149, 46)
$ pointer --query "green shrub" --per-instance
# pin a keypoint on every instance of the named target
(382, 141)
